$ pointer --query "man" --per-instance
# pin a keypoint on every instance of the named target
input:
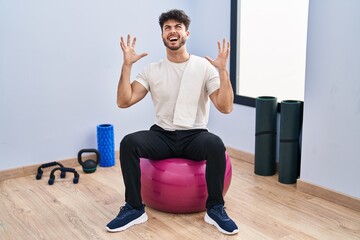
(180, 87)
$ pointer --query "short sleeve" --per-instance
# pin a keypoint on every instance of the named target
(213, 79)
(143, 77)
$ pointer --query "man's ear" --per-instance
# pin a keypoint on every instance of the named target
(187, 33)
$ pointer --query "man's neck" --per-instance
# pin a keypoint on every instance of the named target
(177, 56)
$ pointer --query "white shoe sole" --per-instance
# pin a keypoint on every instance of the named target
(143, 218)
(209, 220)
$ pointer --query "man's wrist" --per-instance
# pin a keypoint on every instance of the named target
(223, 70)
(127, 65)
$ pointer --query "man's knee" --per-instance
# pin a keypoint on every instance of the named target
(212, 145)
(130, 141)
(215, 142)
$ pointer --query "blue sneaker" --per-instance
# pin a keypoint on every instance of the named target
(217, 216)
(127, 217)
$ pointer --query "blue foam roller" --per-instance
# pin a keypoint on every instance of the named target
(105, 143)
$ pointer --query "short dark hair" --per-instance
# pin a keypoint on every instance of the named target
(175, 14)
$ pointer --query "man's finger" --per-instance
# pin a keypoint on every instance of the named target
(133, 43)
(143, 55)
(122, 45)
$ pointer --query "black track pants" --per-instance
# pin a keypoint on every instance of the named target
(157, 144)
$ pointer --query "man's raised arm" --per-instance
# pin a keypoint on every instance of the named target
(127, 93)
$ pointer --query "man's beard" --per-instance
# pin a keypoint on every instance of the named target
(181, 43)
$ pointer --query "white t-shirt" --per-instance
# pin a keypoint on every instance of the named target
(163, 80)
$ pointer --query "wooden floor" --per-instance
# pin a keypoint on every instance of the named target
(262, 207)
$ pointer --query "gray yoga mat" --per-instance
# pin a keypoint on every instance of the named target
(265, 135)
(291, 114)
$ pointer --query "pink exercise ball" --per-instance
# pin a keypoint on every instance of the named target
(177, 185)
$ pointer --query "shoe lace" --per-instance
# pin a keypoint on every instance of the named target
(124, 210)
(221, 212)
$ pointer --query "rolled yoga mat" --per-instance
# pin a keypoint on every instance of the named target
(105, 143)
(265, 135)
(289, 151)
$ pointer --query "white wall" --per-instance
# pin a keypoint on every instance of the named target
(330, 156)
(59, 67)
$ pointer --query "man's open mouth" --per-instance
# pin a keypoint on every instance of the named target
(173, 39)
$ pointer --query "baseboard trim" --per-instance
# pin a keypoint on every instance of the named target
(306, 187)
(73, 162)
(245, 156)
(328, 194)
(32, 169)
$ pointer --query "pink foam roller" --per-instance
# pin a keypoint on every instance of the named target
(177, 185)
